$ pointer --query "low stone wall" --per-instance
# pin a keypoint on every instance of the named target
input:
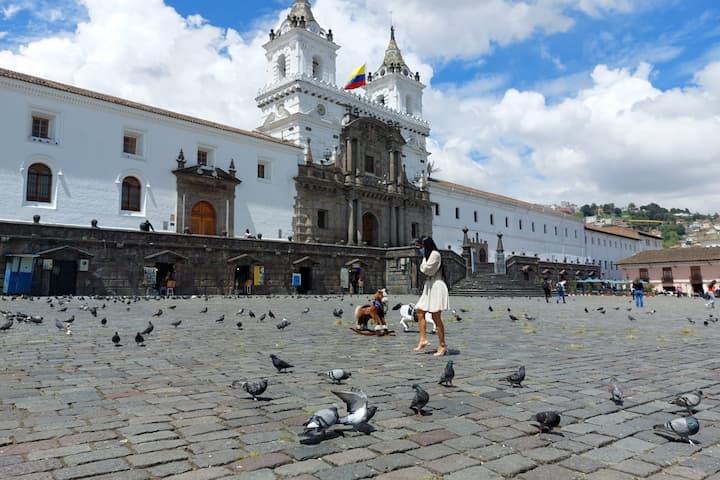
(115, 259)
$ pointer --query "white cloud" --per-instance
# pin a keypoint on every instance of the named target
(9, 11)
(609, 136)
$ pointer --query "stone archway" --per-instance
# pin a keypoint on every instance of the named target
(370, 229)
(203, 219)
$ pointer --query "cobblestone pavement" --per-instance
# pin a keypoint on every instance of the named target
(74, 406)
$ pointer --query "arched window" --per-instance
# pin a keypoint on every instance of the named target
(408, 105)
(381, 99)
(316, 70)
(130, 194)
(39, 183)
(281, 69)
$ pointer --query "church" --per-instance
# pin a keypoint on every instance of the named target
(326, 166)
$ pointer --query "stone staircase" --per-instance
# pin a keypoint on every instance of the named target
(486, 283)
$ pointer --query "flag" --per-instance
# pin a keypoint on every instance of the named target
(356, 78)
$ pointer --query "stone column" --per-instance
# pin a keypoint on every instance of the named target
(351, 222)
(348, 158)
(402, 230)
(358, 221)
(393, 226)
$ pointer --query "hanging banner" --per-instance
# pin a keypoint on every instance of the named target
(258, 275)
(149, 275)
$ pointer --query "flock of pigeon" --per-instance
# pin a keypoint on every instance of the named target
(359, 412)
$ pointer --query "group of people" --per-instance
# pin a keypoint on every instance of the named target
(560, 289)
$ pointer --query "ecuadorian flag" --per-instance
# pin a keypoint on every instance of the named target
(357, 78)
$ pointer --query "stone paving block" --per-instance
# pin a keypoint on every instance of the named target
(473, 473)
(58, 452)
(550, 472)
(24, 468)
(202, 474)
(432, 437)
(159, 445)
(703, 462)
(451, 463)
(262, 474)
(350, 456)
(172, 468)
(218, 457)
(299, 468)
(90, 469)
(394, 446)
(96, 455)
(432, 452)
(406, 474)
(636, 467)
(510, 465)
(350, 471)
(685, 472)
(607, 474)
(305, 452)
(126, 475)
(546, 454)
(635, 445)
(393, 461)
(143, 460)
(269, 460)
(467, 442)
(35, 476)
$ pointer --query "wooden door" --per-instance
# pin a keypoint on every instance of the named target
(203, 219)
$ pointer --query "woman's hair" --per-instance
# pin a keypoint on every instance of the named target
(429, 245)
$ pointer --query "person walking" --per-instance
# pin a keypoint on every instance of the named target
(547, 289)
(638, 292)
(560, 289)
(434, 298)
(711, 295)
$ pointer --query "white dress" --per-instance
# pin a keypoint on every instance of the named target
(434, 296)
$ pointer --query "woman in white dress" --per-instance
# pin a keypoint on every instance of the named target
(434, 298)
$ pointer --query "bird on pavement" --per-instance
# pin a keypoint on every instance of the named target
(357, 407)
(172, 307)
(148, 330)
(139, 340)
(116, 340)
(321, 421)
(262, 317)
(158, 313)
(306, 310)
(254, 388)
(283, 324)
(239, 325)
(103, 321)
(546, 421)
(204, 310)
(251, 314)
(271, 314)
(337, 375)
(513, 317)
(59, 325)
(337, 312)
(515, 379)
(447, 375)
(490, 308)
(176, 323)
(688, 400)
(679, 428)
(9, 323)
(419, 401)
(221, 318)
(631, 318)
(279, 363)
(71, 319)
(616, 393)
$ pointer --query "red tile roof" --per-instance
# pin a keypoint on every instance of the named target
(673, 255)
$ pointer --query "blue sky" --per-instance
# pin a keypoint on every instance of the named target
(516, 88)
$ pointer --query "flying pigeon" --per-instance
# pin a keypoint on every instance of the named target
(420, 400)
(279, 363)
(337, 375)
(93, 312)
(139, 340)
(176, 323)
(116, 340)
(357, 407)
(448, 374)
(254, 388)
(148, 330)
(516, 379)
(546, 421)
(321, 421)
(616, 393)
(688, 400)
(284, 323)
(679, 428)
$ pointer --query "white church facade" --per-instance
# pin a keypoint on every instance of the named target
(73, 155)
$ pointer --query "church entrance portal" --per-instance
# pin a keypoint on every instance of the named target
(369, 229)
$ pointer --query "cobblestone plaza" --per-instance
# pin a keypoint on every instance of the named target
(74, 406)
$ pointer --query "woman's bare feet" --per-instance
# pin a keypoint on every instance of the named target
(421, 346)
(442, 350)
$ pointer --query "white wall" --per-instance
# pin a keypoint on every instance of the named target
(88, 164)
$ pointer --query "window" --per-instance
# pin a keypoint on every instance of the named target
(566, 232)
(316, 71)
(133, 143)
(667, 275)
(457, 212)
(475, 216)
(532, 226)
(576, 234)
(545, 228)
(281, 69)
(492, 219)
(369, 164)
(261, 170)
(39, 183)
(40, 127)
(437, 209)
(322, 219)
(414, 230)
(202, 157)
(555, 231)
(644, 274)
(130, 194)
(507, 222)
(520, 224)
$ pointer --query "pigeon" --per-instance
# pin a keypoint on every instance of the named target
(103, 322)
(456, 316)
(337, 375)
(490, 308)
(616, 393)
(35, 319)
(93, 312)
(172, 307)
(420, 399)
(221, 318)
(688, 400)
(321, 421)
(58, 324)
(158, 313)
(251, 314)
(71, 319)
(305, 310)
(338, 312)
(176, 323)
(116, 340)
(586, 310)
(139, 340)
(148, 330)
(254, 388)
(279, 363)
(528, 317)
(271, 314)
(9, 323)
(204, 310)
(262, 317)
(513, 317)
(546, 421)
(448, 375)
(357, 408)
(62, 309)
(690, 320)
(240, 312)
(239, 325)
(631, 318)
(679, 428)
(516, 379)
(284, 323)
